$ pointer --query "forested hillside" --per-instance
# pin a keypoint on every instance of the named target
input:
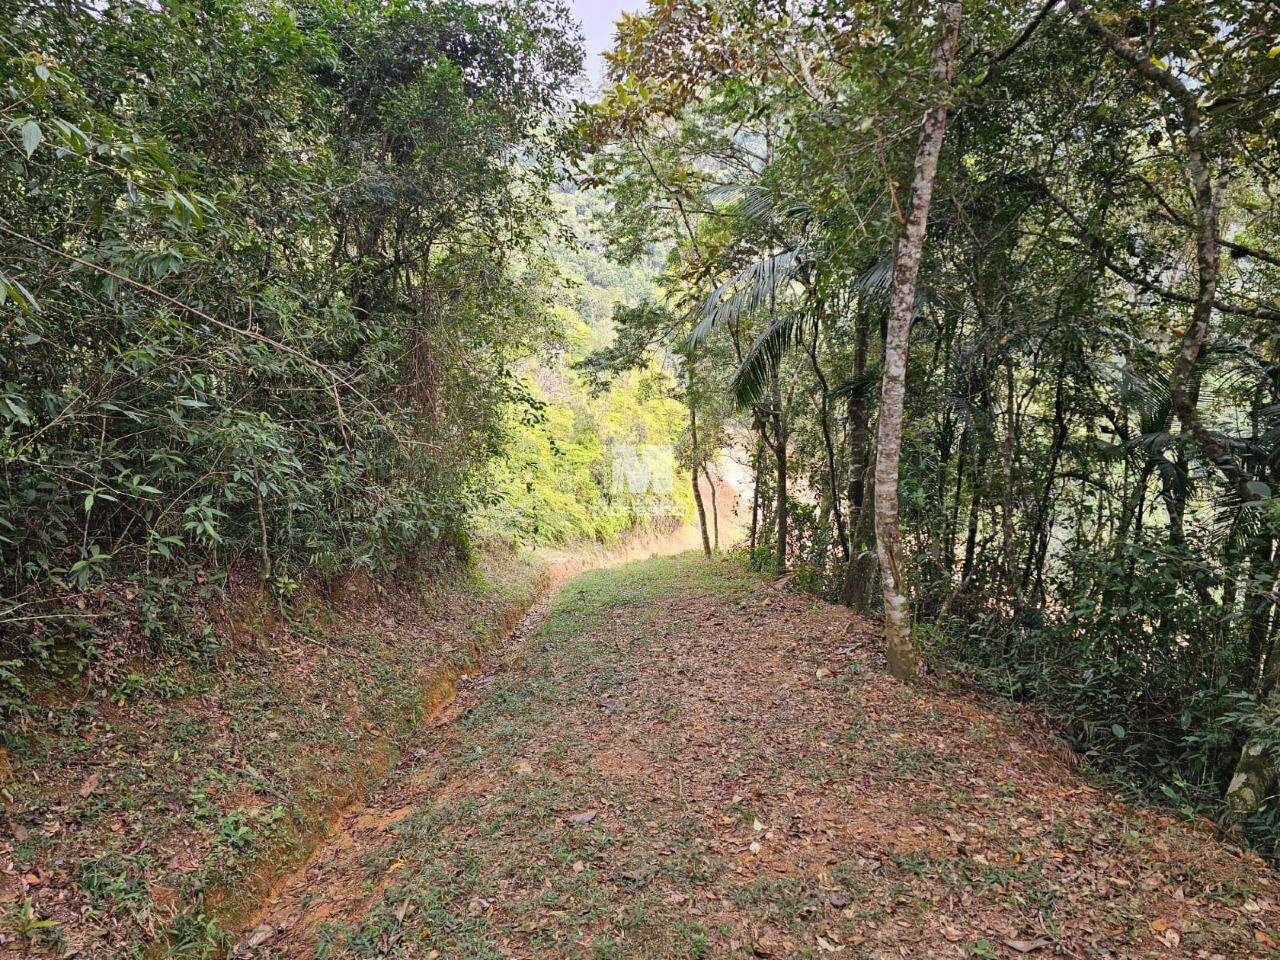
(336, 334)
(555, 482)
(1019, 356)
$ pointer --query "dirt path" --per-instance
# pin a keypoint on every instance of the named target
(678, 761)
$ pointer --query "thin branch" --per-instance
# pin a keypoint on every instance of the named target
(1098, 246)
(334, 379)
(1020, 40)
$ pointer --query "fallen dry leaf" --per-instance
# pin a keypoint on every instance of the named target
(1027, 946)
(259, 935)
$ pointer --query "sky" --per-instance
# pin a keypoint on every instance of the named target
(597, 17)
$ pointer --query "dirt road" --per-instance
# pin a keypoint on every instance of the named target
(681, 761)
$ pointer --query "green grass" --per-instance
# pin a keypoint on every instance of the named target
(571, 877)
(238, 746)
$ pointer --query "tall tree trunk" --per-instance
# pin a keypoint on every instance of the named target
(853, 592)
(1008, 448)
(1258, 603)
(975, 509)
(693, 477)
(757, 464)
(858, 590)
(1042, 528)
(715, 508)
(900, 649)
(824, 414)
(780, 510)
(780, 482)
(957, 493)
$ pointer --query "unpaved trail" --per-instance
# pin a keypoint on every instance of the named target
(677, 760)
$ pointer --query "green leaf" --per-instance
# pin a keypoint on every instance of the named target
(17, 409)
(1118, 730)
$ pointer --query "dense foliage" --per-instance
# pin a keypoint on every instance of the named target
(587, 466)
(267, 269)
(1091, 450)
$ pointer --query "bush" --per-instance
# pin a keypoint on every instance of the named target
(264, 270)
(1151, 683)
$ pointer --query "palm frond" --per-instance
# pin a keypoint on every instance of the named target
(1142, 388)
(750, 379)
(759, 205)
(859, 386)
(876, 279)
(747, 291)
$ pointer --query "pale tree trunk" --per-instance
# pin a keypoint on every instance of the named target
(900, 648)
(780, 481)
(781, 500)
(757, 464)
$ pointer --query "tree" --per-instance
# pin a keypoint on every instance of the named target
(899, 645)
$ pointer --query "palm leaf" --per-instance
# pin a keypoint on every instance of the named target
(746, 291)
(750, 379)
(759, 205)
(875, 280)
(858, 386)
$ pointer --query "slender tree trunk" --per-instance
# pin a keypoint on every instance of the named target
(900, 649)
(1265, 663)
(1007, 449)
(833, 479)
(1207, 204)
(853, 592)
(824, 412)
(957, 492)
(1042, 529)
(757, 462)
(975, 511)
(780, 481)
(693, 476)
(780, 510)
(858, 590)
(715, 508)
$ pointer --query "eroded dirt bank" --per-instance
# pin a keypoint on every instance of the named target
(148, 808)
(680, 761)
